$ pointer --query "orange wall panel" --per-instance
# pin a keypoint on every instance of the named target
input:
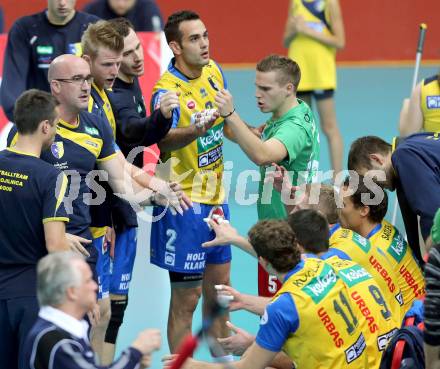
(243, 31)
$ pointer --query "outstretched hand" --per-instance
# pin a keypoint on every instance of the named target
(237, 343)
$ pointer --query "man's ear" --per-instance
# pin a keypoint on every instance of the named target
(290, 89)
(55, 86)
(377, 158)
(45, 126)
(365, 210)
(87, 59)
(71, 293)
(175, 47)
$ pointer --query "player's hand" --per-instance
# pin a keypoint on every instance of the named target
(204, 120)
(236, 303)
(170, 194)
(145, 361)
(147, 341)
(168, 102)
(238, 343)
(225, 102)
(94, 315)
(281, 181)
(76, 244)
(224, 233)
(110, 240)
(168, 360)
(184, 200)
(258, 131)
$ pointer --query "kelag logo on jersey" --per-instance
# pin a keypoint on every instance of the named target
(397, 248)
(362, 242)
(433, 102)
(354, 275)
(319, 286)
(210, 146)
(57, 149)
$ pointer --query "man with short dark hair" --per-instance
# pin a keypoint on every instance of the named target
(59, 338)
(364, 212)
(33, 42)
(193, 153)
(32, 216)
(411, 167)
(290, 138)
(143, 14)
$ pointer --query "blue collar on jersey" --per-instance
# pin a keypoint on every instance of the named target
(174, 71)
(334, 228)
(374, 231)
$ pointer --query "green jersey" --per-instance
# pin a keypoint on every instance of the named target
(297, 131)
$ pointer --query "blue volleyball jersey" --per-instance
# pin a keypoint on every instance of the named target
(416, 161)
(76, 151)
(31, 194)
(33, 42)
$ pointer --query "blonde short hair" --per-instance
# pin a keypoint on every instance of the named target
(101, 34)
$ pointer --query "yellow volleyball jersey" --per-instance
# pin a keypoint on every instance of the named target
(100, 104)
(430, 104)
(330, 331)
(198, 167)
(386, 237)
(371, 303)
(316, 60)
(369, 256)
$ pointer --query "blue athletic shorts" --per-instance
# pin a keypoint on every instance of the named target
(121, 266)
(176, 240)
(102, 267)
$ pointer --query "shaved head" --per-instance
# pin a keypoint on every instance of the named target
(65, 66)
(70, 82)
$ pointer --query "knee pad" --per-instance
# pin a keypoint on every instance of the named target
(117, 317)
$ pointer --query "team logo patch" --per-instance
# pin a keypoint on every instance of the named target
(75, 49)
(170, 258)
(203, 92)
(191, 104)
(57, 149)
(433, 102)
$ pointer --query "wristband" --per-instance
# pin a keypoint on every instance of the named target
(228, 115)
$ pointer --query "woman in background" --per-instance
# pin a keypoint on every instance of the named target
(314, 31)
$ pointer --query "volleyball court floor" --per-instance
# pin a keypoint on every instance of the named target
(368, 102)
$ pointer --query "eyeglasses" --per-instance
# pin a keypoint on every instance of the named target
(78, 80)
